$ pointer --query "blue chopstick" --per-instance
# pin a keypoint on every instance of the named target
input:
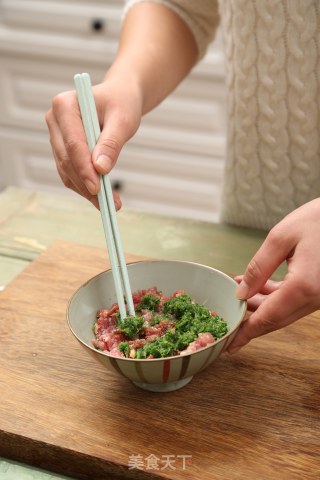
(105, 198)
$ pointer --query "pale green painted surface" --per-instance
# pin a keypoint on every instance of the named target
(9, 268)
(15, 471)
(30, 221)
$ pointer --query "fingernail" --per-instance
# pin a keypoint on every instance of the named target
(242, 290)
(104, 162)
(90, 187)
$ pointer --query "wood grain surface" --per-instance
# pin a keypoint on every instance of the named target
(251, 416)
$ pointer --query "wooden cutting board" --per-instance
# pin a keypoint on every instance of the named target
(251, 416)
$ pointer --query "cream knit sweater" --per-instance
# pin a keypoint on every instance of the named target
(272, 50)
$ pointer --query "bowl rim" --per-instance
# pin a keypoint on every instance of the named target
(243, 304)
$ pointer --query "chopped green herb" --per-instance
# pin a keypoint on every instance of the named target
(149, 302)
(184, 321)
(157, 319)
(130, 326)
(178, 305)
(124, 347)
(214, 325)
(183, 339)
(161, 347)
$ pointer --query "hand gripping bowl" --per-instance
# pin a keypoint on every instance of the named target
(204, 284)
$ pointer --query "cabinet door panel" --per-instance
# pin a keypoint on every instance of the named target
(67, 18)
(168, 196)
(28, 87)
(26, 160)
(174, 164)
(184, 124)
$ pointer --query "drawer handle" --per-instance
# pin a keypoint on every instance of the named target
(97, 24)
(117, 185)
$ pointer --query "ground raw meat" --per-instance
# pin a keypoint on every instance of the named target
(163, 326)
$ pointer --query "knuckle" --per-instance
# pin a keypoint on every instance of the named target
(72, 146)
(65, 179)
(112, 144)
(67, 182)
(128, 123)
(60, 101)
(258, 324)
(62, 159)
(69, 161)
(266, 324)
(253, 271)
(277, 238)
(307, 289)
(244, 335)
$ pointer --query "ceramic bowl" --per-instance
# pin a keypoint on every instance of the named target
(204, 284)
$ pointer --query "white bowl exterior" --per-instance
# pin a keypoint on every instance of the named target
(204, 284)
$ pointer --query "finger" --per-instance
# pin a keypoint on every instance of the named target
(270, 286)
(84, 192)
(65, 168)
(69, 184)
(72, 180)
(117, 200)
(238, 278)
(276, 248)
(74, 140)
(251, 329)
(117, 130)
(267, 288)
(254, 302)
(284, 306)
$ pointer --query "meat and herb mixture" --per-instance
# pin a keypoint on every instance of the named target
(163, 326)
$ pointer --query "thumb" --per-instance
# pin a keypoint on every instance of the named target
(106, 152)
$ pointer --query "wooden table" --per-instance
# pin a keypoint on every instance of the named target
(251, 416)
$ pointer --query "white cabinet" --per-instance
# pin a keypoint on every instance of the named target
(174, 163)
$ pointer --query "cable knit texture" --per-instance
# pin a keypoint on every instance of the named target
(272, 50)
(272, 61)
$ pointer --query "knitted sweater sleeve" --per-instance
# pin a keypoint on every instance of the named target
(201, 16)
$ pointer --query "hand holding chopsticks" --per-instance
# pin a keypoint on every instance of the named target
(105, 197)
